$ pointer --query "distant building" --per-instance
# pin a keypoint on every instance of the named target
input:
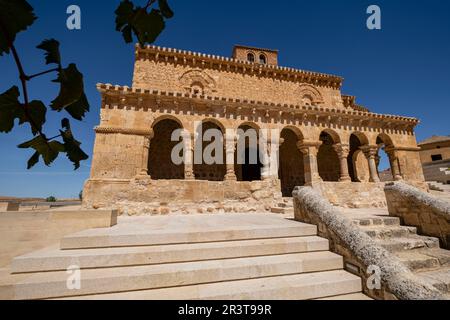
(435, 158)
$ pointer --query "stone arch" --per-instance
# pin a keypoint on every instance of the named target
(327, 158)
(248, 168)
(357, 163)
(250, 56)
(291, 170)
(385, 139)
(296, 131)
(310, 94)
(160, 164)
(384, 143)
(203, 170)
(215, 121)
(167, 117)
(262, 58)
(197, 81)
(333, 134)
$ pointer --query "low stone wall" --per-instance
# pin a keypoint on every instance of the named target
(353, 194)
(416, 208)
(9, 206)
(141, 196)
(360, 252)
(23, 232)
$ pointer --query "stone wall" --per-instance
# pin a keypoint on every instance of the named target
(416, 208)
(360, 251)
(437, 171)
(23, 232)
(9, 206)
(353, 195)
(155, 197)
(151, 71)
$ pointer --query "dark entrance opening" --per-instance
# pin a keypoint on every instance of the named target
(251, 172)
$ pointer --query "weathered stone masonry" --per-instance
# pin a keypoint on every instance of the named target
(326, 139)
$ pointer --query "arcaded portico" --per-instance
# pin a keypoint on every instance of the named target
(325, 139)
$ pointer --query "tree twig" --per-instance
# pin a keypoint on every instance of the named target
(41, 73)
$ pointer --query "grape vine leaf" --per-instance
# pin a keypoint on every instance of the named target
(51, 47)
(147, 26)
(49, 151)
(10, 109)
(15, 16)
(71, 95)
(72, 146)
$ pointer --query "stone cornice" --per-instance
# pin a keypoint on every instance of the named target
(122, 92)
(184, 57)
(115, 130)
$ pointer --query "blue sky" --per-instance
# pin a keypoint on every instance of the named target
(402, 69)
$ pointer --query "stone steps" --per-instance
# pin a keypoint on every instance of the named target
(53, 259)
(421, 254)
(351, 296)
(281, 210)
(110, 238)
(438, 186)
(440, 278)
(122, 279)
(384, 232)
(409, 243)
(257, 256)
(376, 221)
(286, 206)
(336, 284)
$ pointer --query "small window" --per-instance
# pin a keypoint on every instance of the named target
(262, 59)
(250, 57)
(436, 157)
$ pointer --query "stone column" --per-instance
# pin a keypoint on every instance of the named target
(143, 173)
(310, 150)
(230, 149)
(393, 160)
(188, 140)
(342, 151)
(270, 150)
(371, 152)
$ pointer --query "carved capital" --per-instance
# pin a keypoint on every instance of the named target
(342, 150)
(370, 151)
(308, 147)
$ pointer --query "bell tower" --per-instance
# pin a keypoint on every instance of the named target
(255, 55)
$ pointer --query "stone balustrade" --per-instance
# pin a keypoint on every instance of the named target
(360, 252)
(416, 208)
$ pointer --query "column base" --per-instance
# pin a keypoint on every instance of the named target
(189, 176)
(230, 177)
(345, 179)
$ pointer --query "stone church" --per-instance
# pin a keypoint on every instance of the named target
(326, 140)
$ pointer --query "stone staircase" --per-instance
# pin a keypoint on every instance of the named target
(438, 186)
(258, 256)
(286, 206)
(421, 254)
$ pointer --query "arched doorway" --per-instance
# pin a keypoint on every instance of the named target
(215, 171)
(327, 158)
(160, 162)
(247, 158)
(291, 171)
(357, 162)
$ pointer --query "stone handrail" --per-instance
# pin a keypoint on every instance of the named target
(360, 252)
(428, 213)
